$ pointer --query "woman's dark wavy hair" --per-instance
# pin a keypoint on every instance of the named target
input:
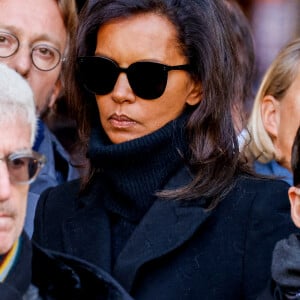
(205, 35)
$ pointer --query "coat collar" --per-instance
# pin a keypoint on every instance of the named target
(166, 226)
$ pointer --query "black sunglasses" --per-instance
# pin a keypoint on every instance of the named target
(148, 80)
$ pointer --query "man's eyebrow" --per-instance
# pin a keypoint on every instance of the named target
(37, 37)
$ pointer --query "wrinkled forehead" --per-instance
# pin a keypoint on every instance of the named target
(34, 21)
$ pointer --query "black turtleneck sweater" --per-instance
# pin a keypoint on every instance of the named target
(132, 172)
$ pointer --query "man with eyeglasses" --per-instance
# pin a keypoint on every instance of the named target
(34, 40)
(27, 271)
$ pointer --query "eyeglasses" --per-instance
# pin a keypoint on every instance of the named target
(148, 80)
(23, 167)
(43, 57)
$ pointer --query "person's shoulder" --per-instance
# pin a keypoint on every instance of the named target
(69, 275)
(66, 189)
(259, 183)
(260, 193)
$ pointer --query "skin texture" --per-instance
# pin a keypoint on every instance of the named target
(294, 196)
(35, 22)
(282, 119)
(13, 197)
(123, 115)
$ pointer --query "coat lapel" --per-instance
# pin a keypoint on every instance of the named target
(90, 225)
(166, 226)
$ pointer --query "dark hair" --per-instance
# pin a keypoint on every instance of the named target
(205, 35)
(295, 158)
(244, 44)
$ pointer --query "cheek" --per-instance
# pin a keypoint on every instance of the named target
(22, 196)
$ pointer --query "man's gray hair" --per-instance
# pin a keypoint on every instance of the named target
(16, 99)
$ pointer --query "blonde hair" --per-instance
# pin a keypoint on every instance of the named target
(276, 81)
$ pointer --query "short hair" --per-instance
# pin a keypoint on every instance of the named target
(276, 81)
(16, 99)
(295, 159)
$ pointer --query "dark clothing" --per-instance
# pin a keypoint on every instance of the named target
(18, 279)
(179, 250)
(41, 274)
(285, 282)
(57, 169)
(164, 248)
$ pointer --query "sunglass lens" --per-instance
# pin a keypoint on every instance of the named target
(98, 74)
(147, 79)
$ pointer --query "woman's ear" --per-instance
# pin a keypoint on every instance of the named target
(294, 195)
(270, 115)
(195, 95)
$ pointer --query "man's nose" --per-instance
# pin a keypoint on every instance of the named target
(5, 185)
(21, 61)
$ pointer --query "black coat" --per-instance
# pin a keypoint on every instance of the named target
(40, 274)
(179, 250)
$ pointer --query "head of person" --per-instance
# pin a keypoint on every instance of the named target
(19, 165)
(140, 64)
(276, 111)
(246, 57)
(294, 191)
(34, 40)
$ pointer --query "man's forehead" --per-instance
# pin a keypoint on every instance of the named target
(34, 20)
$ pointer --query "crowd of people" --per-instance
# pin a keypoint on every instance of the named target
(177, 188)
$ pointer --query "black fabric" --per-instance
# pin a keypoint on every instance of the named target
(19, 277)
(41, 274)
(61, 277)
(133, 172)
(285, 270)
(178, 250)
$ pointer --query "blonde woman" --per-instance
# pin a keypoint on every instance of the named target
(276, 115)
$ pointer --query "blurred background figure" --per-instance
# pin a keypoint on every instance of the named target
(276, 115)
(274, 23)
(244, 44)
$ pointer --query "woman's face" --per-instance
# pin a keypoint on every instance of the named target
(288, 122)
(282, 119)
(145, 37)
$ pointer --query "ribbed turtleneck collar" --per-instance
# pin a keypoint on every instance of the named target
(134, 171)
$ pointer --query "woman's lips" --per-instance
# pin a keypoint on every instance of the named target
(121, 121)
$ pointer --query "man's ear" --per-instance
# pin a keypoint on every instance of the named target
(195, 95)
(270, 115)
(55, 92)
(294, 195)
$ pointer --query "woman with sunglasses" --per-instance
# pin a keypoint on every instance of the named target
(166, 207)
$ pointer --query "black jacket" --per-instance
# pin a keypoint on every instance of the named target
(40, 274)
(179, 250)
(285, 283)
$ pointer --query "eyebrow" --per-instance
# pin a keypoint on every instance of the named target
(38, 37)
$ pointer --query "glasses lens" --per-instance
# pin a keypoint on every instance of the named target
(24, 168)
(8, 44)
(147, 79)
(98, 74)
(45, 57)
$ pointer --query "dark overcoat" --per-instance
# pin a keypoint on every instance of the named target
(179, 250)
(40, 274)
